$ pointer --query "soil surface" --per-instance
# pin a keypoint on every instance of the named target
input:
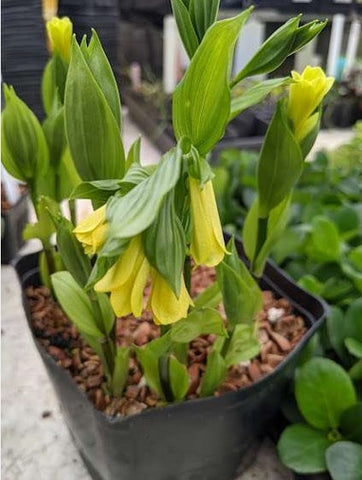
(279, 330)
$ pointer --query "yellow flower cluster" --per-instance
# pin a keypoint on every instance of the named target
(305, 95)
(60, 32)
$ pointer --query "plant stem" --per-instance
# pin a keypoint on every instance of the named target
(72, 211)
(187, 273)
(260, 240)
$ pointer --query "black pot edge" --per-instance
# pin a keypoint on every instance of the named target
(246, 391)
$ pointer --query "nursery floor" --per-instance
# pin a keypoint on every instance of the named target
(35, 441)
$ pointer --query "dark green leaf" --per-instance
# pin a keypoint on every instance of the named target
(201, 102)
(164, 243)
(354, 347)
(323, 391)
(306, 33)
(214, 374)
(344, 461)
(280, 164)
(92, 130)
(54, 131)
(351, 423)
(120, 373)
(302, 448)
(203, 14)
(336, 331)
(185, 27)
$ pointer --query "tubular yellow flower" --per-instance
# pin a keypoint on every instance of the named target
(126, 280)
(91, 232)
(165, 306)
(305, 96)
(207, 244)
(60, 32)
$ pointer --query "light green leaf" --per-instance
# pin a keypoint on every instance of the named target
(75, 303)
(280, 163)
(164, 244)
(44, 227)
(325, 244)
(243, 345)
(92, 130)
(344, 461)
(108, 317)
(354, 347)
(214, 374)
(256, 94)
(323, 391)
(201, 102)
(134, 154)
(54, 131)
(312, 284)
(302, 448)
(179, 379)
(209, 298)
(149, 362)
(199, 322)
(134, 212)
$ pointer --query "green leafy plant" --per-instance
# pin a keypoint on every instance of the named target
(151, 225)
(330, 437)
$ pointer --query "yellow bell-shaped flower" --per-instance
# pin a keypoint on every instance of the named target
(126, 280)
(165, 306)
(207, 244)
(305, 95)
(60, 32)
(91, 232)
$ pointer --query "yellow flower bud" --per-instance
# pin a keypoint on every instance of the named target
(60, 32)
(305, 95)
(126, 280)
(165, 306)
(207, 244)
(91, 232)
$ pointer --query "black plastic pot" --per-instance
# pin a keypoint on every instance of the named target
(200, 439)
(13, 222)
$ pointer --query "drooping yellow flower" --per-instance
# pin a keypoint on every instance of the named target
(305, 95)
(165, 306)
(60, 32)
(91, 232)
(126, 280)
(207, 244)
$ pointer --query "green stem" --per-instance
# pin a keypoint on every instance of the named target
(72, 211)
(187, 273)
(260, 240)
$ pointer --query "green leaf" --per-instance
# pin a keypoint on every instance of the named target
(99, 190)
(92, 130)
(336, 331)
(102, 72)
(344, 461)
(203, 14)
(75, 260)
(323, 391)
(325, 243)
(256, 94)
(302, 448)
(149, 362)
(120, 373)
(276, 224)
(108, 317)
(310, 283)
(54, 131)
(355, 372)
(75, 303)
(67, 177)
(355, 256)
(280, 164)
(179, 379)
(241, 294)
(44, 227)
(208, 298)
(354, 347)
(351, 423)
(306, 33)
(243, 345)
(134, 212)
(24, 151)
(201, 102)
(53, 83)
(354, 320)
(272, 53)
(215, 372)
(185, 27)
(199, 322)
(164, 244)
(134, 154)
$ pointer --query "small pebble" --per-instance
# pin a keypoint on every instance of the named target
(274, 314)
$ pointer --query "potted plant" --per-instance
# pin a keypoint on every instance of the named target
(192, 320)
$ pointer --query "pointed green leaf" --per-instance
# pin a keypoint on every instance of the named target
(201, 102)
(243, 345)
(185, 27)
(179, 379)
(120, 373)
(199, 322)
(214, 374)
(203, 14)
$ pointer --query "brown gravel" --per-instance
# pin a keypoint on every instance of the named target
(279, 331)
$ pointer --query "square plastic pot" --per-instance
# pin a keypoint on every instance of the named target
(200, 439)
